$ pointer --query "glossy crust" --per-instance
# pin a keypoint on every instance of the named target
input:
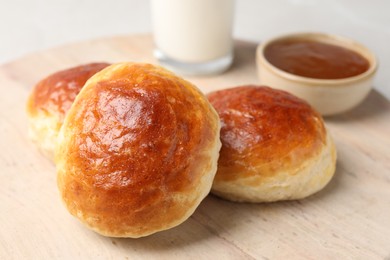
(274, 146)
(138, 151)
(50, 100)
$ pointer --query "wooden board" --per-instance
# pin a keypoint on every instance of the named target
(350, 218)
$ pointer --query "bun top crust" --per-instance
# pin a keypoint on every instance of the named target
(265, 130)
(56, 93)
(134, 149)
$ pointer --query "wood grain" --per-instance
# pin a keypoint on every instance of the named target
(349, 219)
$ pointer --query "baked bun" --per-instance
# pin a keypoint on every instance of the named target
(137, 152)
(49, 101)
(274, 146)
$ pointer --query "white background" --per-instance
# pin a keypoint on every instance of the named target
(32, 25)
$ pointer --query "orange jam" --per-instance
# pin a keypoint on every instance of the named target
(315, 59)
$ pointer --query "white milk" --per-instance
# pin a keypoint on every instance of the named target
(193, 31)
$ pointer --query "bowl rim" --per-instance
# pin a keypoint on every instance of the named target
(317, 36)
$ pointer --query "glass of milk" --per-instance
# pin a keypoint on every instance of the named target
(193, 37)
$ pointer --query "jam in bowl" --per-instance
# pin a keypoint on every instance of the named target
(332, 73)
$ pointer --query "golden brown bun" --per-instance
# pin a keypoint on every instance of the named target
(137, 152)
(274, 146)
(49, 101)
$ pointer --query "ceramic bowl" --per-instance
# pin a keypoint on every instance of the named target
(327, 96)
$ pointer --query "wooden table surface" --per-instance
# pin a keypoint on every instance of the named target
(349, 219)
